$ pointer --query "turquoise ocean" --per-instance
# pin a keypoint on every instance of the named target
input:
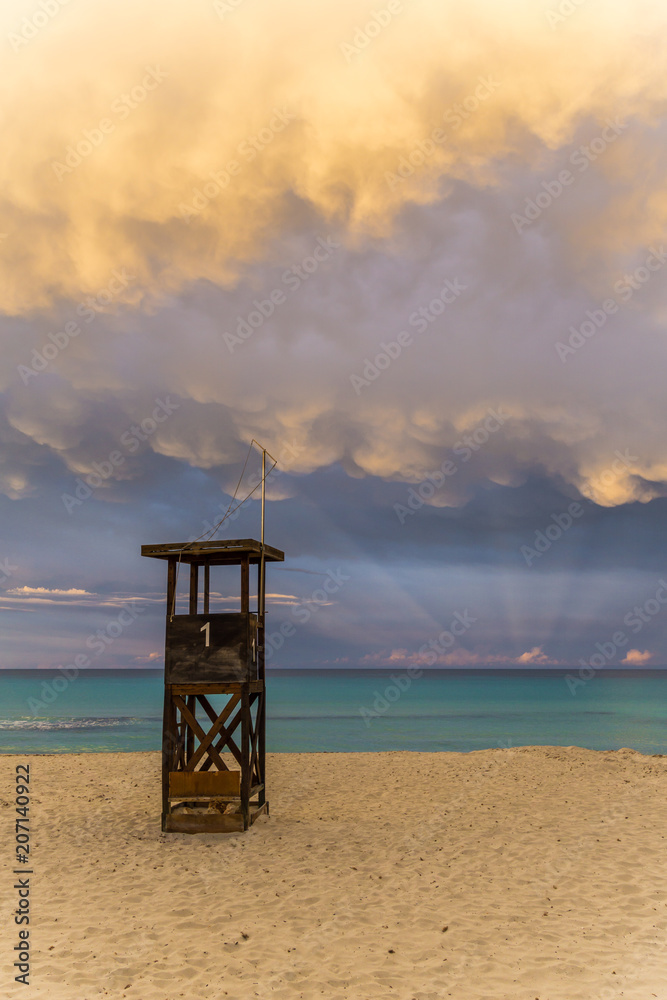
(351, 710)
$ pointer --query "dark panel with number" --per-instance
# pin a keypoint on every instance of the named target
(220, 647)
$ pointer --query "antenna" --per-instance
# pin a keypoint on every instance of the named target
(260, 609)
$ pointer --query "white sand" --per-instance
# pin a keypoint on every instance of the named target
(525, 873)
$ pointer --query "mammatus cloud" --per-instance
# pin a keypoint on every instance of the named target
(248, 211)
(114, 164)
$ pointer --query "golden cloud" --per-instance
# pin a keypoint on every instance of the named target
(635, 658)
(182, 142)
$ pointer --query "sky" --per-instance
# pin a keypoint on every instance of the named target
(413, 248)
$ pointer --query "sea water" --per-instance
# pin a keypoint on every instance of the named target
(352, 710)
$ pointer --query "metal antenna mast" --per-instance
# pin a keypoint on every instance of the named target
(260, 608)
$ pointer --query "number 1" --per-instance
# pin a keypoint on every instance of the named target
(206, 628)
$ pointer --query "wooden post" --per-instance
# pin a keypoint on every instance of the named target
(194, 587)
(260, 626)
(245, 755)
(169, 747)
(171, 587)
(245, 585)
(261, 744)
(166, 753)
(207, 587)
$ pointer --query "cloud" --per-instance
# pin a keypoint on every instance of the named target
(240, 212)
(50, 591)
(535, 655)
(74, 597)
(456, 658)
(313, 132)
(635, 658)
(155, 657)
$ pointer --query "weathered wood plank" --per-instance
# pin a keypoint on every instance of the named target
(207, 823)
(214, 687)
(264, 808)
(226, 799)
(210, 648)
(183, 784)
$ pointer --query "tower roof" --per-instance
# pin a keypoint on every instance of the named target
(223, 551)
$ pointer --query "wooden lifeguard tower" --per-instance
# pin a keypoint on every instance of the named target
(207, 654)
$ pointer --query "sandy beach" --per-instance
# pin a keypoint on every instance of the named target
(525, 873)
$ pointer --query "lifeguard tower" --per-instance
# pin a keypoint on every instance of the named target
(210, 654)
